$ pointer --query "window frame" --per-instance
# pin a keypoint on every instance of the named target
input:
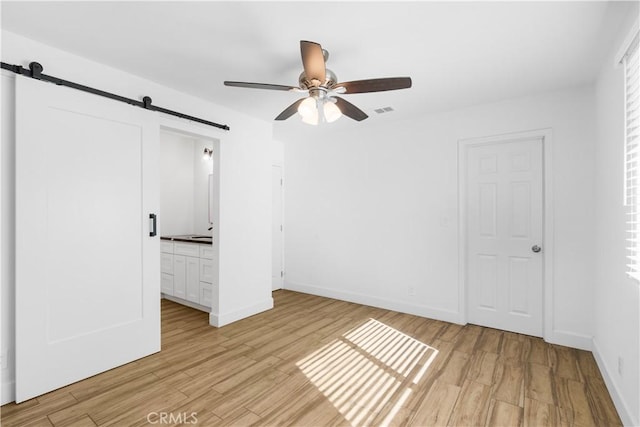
(630, 59)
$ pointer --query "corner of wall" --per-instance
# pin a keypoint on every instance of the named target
(222, 319)
(626, 415)
(570, 339)
(615, 319)
(8, 392)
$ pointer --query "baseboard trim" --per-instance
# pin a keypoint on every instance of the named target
(219, 320)
(570, 339)
(395, 305)
(187, 303)
(8, 392)
(626, 416)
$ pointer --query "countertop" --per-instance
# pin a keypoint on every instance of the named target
(189, 238)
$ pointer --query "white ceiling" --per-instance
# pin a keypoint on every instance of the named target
(457, 53)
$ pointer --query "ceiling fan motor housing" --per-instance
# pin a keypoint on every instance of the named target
(330, 80)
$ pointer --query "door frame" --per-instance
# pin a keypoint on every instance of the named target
(545, 135)
(196, 130)
(279, 165)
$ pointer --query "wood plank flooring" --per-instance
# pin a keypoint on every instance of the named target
(315, 361)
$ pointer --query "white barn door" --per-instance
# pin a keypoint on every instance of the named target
(504, 207)
(87, 269)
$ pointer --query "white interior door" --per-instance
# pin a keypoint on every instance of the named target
(504, 206)
(87, 269)
(276, 229)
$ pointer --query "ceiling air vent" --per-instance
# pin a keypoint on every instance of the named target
(383, 110)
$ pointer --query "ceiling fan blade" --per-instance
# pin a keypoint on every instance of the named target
(290, 110)
(376, 85)
(350, 110)
(313, 61)
(261, 86)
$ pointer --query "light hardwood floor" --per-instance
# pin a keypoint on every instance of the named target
(315, 361)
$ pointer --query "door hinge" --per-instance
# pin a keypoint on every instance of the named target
(282, 274)
(280, 227)
(280, 182)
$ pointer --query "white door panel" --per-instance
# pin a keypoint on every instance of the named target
(85, 186)
(504, 221)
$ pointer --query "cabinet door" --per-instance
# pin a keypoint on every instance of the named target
(206, 270)
(180, 276)
(205, 294)
(166, 263)
(193, 279)
(166, 283)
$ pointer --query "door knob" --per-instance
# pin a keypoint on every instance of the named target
(536, 248)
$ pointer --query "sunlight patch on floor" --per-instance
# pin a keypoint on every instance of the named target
(369, 372)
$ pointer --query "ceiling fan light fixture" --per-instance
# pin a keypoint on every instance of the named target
(331, 111)
(311, 119)
(307, 108)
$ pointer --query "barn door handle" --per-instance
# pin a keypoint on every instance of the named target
(152, 225)
(536, 248)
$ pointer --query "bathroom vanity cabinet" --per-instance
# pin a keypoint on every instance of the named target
(189, 272)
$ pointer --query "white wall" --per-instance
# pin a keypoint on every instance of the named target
(371, 212)
(617, 319)
(277, 152)
(245, 184)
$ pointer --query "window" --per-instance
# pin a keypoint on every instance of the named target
(632, 154)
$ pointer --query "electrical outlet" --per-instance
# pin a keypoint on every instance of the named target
(412, 291)
(620, 365)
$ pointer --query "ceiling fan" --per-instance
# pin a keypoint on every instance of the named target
(321, 85)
